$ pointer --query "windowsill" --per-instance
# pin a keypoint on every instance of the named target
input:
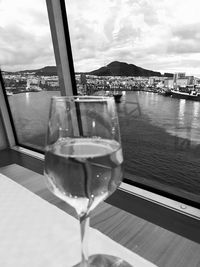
(130, 231)
(138, 192)
(153, 208)
(164, 212)
(143, 204)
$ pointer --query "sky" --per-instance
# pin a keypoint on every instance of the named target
(160, 35)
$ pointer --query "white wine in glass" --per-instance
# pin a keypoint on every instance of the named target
(83, 159)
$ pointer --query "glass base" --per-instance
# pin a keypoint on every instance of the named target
(103, 260)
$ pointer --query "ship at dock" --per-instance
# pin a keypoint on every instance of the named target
(190, 92)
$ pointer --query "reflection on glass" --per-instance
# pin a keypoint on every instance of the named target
(181, 111)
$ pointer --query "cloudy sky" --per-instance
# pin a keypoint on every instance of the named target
(161, 35)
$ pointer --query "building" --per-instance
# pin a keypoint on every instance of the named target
(169, 83)
(181, 80)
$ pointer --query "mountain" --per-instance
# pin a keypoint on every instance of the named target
(117, 68)
(46, 71)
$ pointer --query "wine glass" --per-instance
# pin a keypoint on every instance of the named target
(83, 159)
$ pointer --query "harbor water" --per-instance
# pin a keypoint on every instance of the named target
(160, 137)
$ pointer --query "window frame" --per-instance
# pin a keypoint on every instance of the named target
(174, 214)
(62, 47)
(7, 116)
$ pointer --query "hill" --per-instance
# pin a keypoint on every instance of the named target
(117, 68)
(46, 71)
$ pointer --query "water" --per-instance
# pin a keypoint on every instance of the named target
(178, 117)
(160, 137)
(161, 141)
(83, 172)
(30, 112)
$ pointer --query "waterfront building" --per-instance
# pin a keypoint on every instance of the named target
(181, 80)
(169, 83)
(179, 75)
(151, 81)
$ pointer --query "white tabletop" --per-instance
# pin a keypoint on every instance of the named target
(34, 233)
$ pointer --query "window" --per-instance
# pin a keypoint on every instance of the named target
(147, 52)
(159, 133)
(28, 67)
(143, 203)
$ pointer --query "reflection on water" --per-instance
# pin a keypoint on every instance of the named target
(181, 113)
(27, 96)
(30, 113)
(178, 117)
(195, 116)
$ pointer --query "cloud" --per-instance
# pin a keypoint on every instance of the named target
(101, 31)
(149, 12)
(25, 38)
(149, 33)
(185, 32)
(185, 39)
(21, 48)
(127, 33)
(179, 46)
(114, 30)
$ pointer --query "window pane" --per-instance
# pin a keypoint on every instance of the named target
(135, 48)
(28, 64)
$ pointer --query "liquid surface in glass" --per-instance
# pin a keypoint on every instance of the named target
(83, 171)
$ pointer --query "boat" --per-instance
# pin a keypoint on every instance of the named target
(117, 96)
(165, 92)
(189, 93)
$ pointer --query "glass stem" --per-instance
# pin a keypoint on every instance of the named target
(84, 225)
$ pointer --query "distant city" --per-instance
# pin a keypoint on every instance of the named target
(116, 76)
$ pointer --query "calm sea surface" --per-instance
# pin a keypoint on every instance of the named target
(178, 117)
(160, 137)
